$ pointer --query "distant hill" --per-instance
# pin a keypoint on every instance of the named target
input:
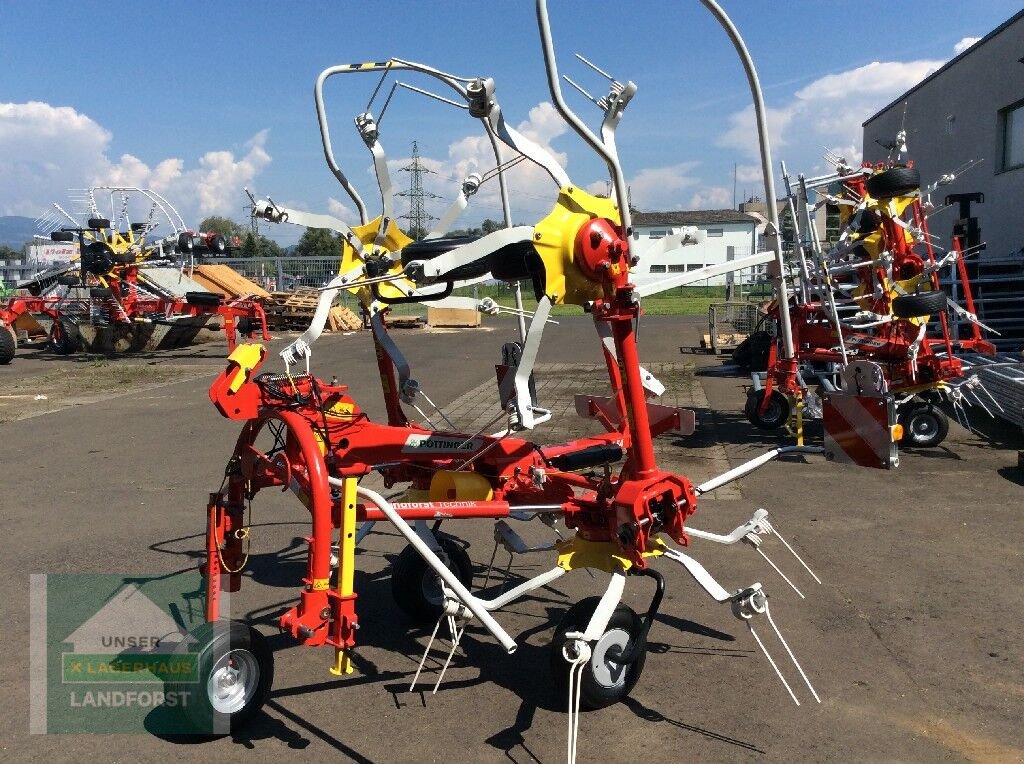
(15, 230)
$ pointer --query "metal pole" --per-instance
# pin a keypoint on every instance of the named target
(766, 169)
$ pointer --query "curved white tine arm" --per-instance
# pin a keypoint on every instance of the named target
(450, 216)
(301, 346)
(380, 166)
(650, 383)
(753, 464)
(753, 525)
(605, 608)
(700, 575)
(645, 289)
(430, 270)
(399, 360)
(449, 578)
(274, 213)
(524, 404)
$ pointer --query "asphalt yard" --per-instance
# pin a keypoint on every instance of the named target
(910, 640)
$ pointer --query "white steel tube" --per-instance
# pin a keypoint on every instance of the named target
(766, 166)
(753, 464)
(449, 578)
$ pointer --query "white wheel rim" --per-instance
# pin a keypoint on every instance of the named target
(233, 681)
(607, 673)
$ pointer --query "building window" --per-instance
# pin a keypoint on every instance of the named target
(694, 266)
(658, 234)
(716, 232)
(1011, 125)
(677, 268)
(657, 269)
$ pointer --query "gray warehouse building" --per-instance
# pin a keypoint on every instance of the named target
(970, 109)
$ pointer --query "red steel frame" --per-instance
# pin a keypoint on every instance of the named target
(814, 336)
(327, 434)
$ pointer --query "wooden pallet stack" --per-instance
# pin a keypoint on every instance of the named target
(294, 310)
(225, 280)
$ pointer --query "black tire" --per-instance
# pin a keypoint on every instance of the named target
(185, 245)
(228, 654)
(922, 304)
(210, 299)
(776, 415)
(62, 236)
(218, 245)
(97, 223)
(924, 425)
(60, 341)
(896, 181)
(8, 344)
(415, 586)
(603, 681)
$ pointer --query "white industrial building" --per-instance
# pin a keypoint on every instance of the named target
(723, 235)
(971, 109)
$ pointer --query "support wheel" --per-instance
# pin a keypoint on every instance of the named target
(8, 344)
(61, 342)
(417, 588)
(774, 417)
(604, 681)
(235, 672)
(924, 426)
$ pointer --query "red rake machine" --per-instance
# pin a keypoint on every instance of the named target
(113, 299)
(859, 320)
(303, 434)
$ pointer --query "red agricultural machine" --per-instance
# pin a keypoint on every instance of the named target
(114, 298)
(309, 436)
(869, 300)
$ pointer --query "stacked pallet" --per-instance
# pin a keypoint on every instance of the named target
(225, 280)
(294, 311)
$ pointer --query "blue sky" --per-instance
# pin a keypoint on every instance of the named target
(197, 99)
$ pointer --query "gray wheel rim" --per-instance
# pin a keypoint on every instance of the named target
(923, 426)
(607, 673)
(233, 681)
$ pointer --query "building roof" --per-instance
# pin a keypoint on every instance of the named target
(691, 217)
(955, 60)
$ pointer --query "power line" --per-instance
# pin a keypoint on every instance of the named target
(418, 217)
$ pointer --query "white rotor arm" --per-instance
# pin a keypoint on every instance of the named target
(430, 271)
(661, 285)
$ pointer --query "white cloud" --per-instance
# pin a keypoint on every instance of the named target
(826, 114)
(45, 150)
(964, 44)
(342, 211)
(711, 198)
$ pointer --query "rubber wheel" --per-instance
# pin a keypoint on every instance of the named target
(61, 342)
(217, 245)
(417, 588)
(8, 345)
(185, 245)
(924, 426)
(772, 419)
(603, 681)
(922, 304)
(235, 671)
(896, 181)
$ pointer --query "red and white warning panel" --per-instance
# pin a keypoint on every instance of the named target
(861, 429)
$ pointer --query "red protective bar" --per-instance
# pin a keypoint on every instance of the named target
(920, 222)
(961, 269)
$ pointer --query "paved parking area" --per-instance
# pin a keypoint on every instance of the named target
(911, 640)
